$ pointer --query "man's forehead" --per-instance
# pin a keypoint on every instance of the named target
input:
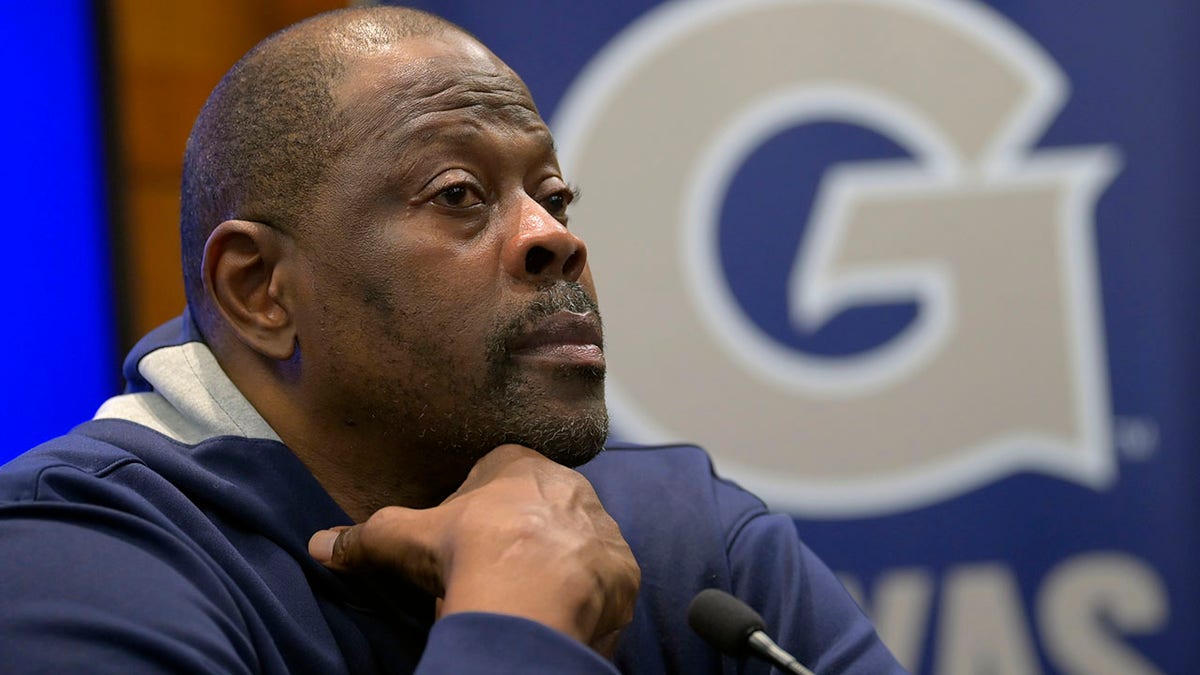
(418, 77)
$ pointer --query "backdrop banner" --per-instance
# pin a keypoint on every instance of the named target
(920, 273)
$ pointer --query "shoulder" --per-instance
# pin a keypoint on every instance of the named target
(76, 457)
(683, 523)
(672, 483)
(655, 458)
(82, 493)
(83, 496)
(106, 463)
(90, 589)
(691, 529)
(86, 562)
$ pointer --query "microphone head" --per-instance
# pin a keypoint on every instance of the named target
(723, 621)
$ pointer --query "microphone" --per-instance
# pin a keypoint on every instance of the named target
(734, 628)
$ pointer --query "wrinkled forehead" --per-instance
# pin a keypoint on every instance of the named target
(420, 80)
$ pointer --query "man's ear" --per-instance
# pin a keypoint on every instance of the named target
(246, 277)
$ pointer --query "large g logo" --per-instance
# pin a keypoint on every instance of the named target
(1003, 367)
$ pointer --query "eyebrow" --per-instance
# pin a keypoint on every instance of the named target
(408, 146)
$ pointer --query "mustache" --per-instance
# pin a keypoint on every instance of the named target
(568, 296)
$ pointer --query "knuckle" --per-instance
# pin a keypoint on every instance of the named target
(531, 523)
(367, 543)
(384, 518)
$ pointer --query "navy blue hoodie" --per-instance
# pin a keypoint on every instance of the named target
(169, 535)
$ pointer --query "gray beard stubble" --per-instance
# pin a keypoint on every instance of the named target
(508, 408)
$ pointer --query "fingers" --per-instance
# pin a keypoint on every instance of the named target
(320, 545)
(606, 644)
(522, 536)
(620, 588)
(393, 539)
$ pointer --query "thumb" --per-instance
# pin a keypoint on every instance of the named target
(394, 540)
(321, 544)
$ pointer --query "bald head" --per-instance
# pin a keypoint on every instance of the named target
(264, 139)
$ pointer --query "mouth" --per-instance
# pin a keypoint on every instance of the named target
(562, 338)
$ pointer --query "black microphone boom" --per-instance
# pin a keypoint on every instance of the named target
(734, 628)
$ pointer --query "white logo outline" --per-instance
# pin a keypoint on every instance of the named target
(1006, 161)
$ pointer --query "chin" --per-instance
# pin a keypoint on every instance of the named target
(574, 457)
(570, 437)
(559, 412)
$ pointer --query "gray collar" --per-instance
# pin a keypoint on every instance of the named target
(192, 400)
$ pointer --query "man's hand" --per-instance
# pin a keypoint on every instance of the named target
(522, 536)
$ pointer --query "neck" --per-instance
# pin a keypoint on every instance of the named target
(364, 475)
(364, 469)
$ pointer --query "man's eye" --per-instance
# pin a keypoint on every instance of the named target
(556, 204)
(458, 197)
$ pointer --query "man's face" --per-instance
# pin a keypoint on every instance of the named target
(450, 310)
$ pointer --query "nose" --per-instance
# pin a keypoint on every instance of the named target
(543, 249)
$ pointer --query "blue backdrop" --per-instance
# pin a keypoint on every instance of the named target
(58, 337)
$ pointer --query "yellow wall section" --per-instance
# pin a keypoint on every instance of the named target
(165, 58)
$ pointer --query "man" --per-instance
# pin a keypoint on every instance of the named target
(388, 324)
